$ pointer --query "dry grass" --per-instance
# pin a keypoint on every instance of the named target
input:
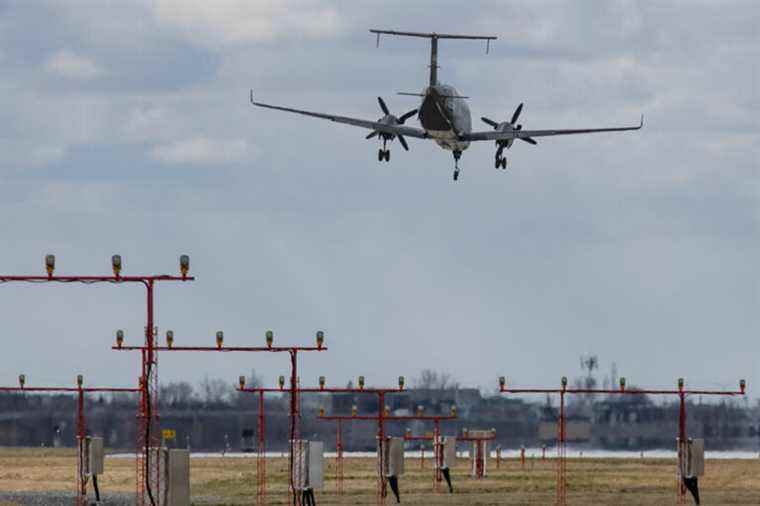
(232, 481)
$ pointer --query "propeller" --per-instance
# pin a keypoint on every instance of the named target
(515, 117)
(390, 119)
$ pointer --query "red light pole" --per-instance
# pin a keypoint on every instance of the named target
(80, 390)
(479, 453)
(269, 348)
(681, 392)
(148, 405)
(380, 418)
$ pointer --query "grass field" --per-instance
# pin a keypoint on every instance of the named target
(233, 480)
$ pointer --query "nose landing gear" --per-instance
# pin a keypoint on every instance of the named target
(500, 161)
(457, 156)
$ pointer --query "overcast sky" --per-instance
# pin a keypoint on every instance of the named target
(125, 128)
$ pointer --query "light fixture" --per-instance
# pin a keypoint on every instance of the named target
(281, 381)
(401, 382)
(116, 265)
(564, 382)
(169, 338)
(502, 382)
(354, 410)
(453, 410)
(320, 339)
(742, 385)
(387, 410)
(241, 380)
(361, 382)
(119, 338)
(321, 411)
(184, 265)
(420, 410)
(22, 380)
(50, 264)
(269, 338)
(680, 383)
(80, 380)
(219, 339)
(322, 382)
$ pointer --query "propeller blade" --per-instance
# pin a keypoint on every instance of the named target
(407, 116)
(403, 142)
(529, 140)
(516, 113)
(372, 134)
(490, 122)
(383, 106)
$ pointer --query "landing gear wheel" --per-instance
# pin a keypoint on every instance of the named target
(380, 155)
(504, 163)
(497, 163)
(456, 175)
(387, 155)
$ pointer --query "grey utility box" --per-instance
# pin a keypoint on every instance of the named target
(693, 462)
(94, 456)
(393, 456)
(449, 452)
(309, 465)
(177, 477)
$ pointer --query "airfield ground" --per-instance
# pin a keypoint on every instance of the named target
(34, 476)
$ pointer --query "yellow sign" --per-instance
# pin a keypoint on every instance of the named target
(169, 434)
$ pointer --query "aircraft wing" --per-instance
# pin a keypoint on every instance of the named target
(362, 123)
(496, 135)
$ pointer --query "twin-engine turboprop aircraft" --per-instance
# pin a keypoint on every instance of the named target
(444, 115)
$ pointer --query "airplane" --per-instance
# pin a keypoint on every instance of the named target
(444, 115)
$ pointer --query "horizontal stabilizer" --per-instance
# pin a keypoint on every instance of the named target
(408, 94)
(433, 35)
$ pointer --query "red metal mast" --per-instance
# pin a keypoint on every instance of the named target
(80, 390)
(269, 348)
(681, 392)
(148, 404)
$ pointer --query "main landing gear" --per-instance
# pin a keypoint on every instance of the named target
(384, 154)
(457, 156)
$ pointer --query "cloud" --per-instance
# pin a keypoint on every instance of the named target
(203, 150)
(72, 66)
(233, 21)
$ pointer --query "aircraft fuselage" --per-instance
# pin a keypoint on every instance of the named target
(445, 115)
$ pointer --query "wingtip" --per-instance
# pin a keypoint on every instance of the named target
(252, 102)
(641, 121)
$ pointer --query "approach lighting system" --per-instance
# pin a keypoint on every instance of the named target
(50, 264)
(361, 382)
(219, 339)
(119, 338)
(320, 339)
(116, 265)
(622, 384)
(401, 382)
(241, 380)
(281, 381)
(21, 380)
(169, 338)
(322, 382)
(80, 380)
(270, 338)
(184, 265)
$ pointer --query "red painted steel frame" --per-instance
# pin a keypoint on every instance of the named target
(479, 471)
(81, 487)
(292, 350)
(381, 418)
(148, 405)
(681, 392)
